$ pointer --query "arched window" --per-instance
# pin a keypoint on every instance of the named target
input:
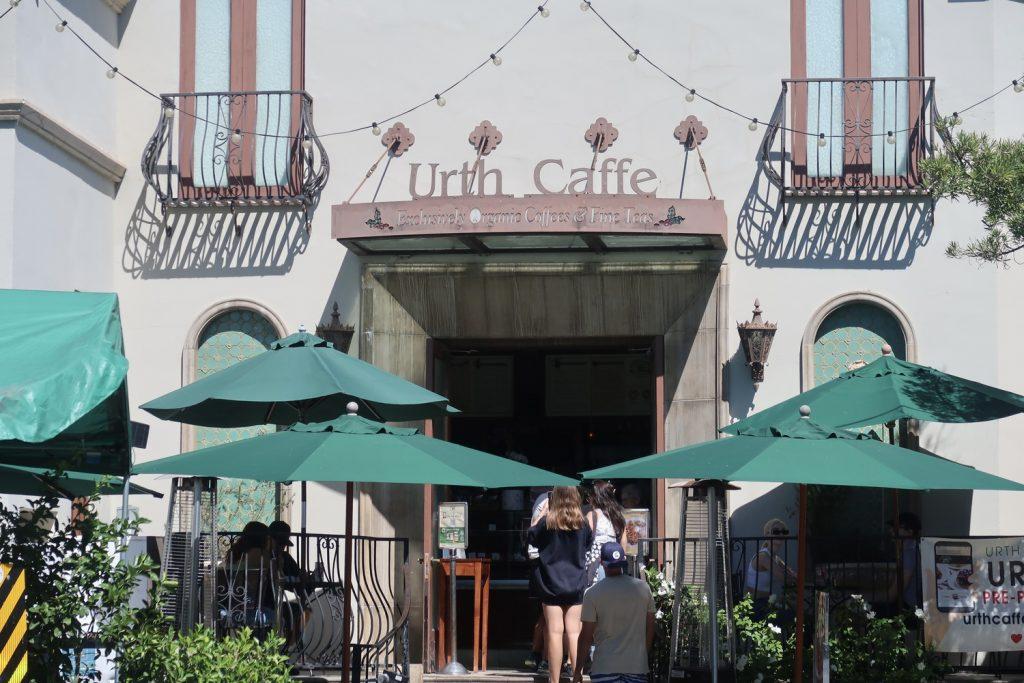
(845, 333)
(229, 337)
(853, 335)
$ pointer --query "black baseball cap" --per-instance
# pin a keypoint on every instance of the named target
(612, 555)
(280, 532)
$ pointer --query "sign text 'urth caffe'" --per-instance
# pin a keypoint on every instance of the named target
(611, 195)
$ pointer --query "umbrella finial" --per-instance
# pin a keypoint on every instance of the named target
(352, 407)
(886, 350)
(302, 328)
(805, 412)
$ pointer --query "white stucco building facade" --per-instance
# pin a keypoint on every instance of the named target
(76, 212)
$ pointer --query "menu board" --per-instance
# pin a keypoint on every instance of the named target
(453, 526)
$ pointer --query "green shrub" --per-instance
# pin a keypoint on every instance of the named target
(154, 654)
(865, 647)
(74, 584)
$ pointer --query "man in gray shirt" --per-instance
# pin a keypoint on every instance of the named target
(618, 618)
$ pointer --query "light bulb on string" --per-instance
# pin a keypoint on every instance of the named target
(236, 137)
(1018, 86)
(632, 56)
(585, 5)
(111, 72)
(544, 11)
(168, 111)
(821, 140)
(495, 59)
(690, 95)
(307, 144)
(375, 129)
(753, 124)
(440, 100)
(15, 3)
(59, 28)
(890, 137)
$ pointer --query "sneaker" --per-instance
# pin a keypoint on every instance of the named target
(533, 660)
(542, 667)
(567, 671)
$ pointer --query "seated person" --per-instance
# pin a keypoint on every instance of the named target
(249, 595)
(294, 613)
(767, 571)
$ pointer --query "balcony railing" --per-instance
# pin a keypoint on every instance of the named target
(850, 136)
(236, 150)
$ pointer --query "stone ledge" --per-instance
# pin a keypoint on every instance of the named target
(22, 113)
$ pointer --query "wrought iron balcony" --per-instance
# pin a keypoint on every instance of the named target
(850, 136)
(236, 150)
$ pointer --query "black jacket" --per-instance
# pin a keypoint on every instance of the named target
(559, 576)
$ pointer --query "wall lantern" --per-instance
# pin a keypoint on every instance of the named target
(756, 338)
(336, 332)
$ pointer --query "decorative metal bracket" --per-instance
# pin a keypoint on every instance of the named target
(484, 139)
(756, 339)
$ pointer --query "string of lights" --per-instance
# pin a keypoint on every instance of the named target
(634, 55)
(10, 8)
(438, 97)
(754, 123)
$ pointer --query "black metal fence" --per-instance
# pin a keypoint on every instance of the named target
(298, 593)
(235, 150)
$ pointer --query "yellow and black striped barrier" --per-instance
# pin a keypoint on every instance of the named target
(13, 624)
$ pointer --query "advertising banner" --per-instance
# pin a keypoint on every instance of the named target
(973, 593)
(638, 525)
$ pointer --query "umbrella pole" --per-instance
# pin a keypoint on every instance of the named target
(801, 572)
(346, 617)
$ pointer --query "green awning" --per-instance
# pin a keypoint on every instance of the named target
(890, 389)
(63, 392)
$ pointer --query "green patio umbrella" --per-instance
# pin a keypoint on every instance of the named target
(36, 481)
(302, 378)
(798, 450)
(350, 449)
(889, 389)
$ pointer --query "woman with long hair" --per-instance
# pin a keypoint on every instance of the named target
(604, 515)
(558, 578)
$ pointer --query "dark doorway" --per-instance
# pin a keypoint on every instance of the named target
(565, 406)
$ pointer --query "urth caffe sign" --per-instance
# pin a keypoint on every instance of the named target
(610, 195)
(581, 197)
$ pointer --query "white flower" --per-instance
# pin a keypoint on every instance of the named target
(857, 597)
(772, 599)
(920, 666)
(867, 606)
(919, 613)
(871, 663)
(658, 614)
(741, 663)
(775, 629)
(871, 615)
